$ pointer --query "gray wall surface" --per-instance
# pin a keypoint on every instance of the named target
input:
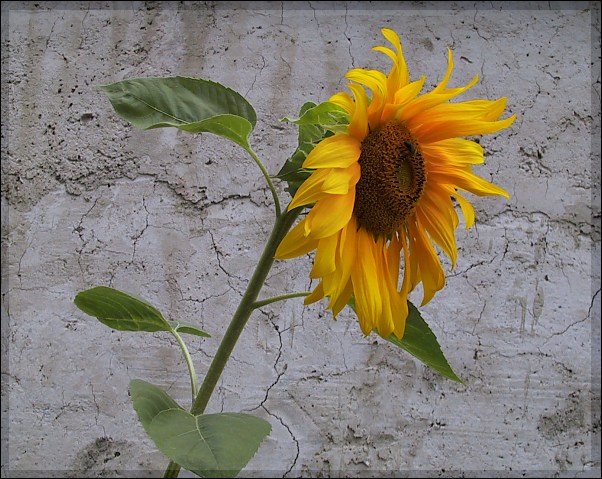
(180, 220)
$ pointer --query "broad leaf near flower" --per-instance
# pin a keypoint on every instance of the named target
(420, 341)
(189, 104)
(316, 122)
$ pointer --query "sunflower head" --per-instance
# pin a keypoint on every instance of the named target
(383, 190)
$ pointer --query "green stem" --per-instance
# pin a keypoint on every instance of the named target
(265, 302)
(269, 181)
(243, 312)
(189, 363)
(173, 470)
(246, 306)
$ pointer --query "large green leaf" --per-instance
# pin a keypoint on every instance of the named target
(421, 342)
(316, 122)
(190, 104)
(210, 445)
(124, 312)
(121, 311)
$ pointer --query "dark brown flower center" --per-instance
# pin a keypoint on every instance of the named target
(392, 179)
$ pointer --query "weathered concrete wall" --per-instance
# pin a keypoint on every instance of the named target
(180, 220)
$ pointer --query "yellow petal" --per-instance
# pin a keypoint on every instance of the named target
(377, 82)
(337, 284)
(324, 262)
(358, 128)
(323, 182)
(467, 209)
(295, 243)
(438, 228)
(364, 275)
(337, 151)
(453, 151)
(337, 304)
(316, 295)
(431, 272)
(340, 180)
(450, 66)
(482, 110)
(311, 189)
(385, 321)
(344, 100)
(399, 76)
(393, 258)
(409, 92)
(437, 131)
(405, 287)
(466, 180)
(428, 101)
(440, 196)
(387, 51)
(401, 98)
(329, 215)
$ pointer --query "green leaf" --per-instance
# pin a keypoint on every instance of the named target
(316, 122)
(421, 342)
(327, 115)
(149, 400)
(188, 329)
(212, 445)
(190, 104)
(121, 311)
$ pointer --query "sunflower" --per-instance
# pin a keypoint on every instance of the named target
(385, 189)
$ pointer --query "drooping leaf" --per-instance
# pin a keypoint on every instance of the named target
(316, 122)
(421, 342)
(190, 104)
(121, 311)
(188, 329)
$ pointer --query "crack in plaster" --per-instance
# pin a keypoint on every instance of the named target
(315, 16)
(472, 266)
(96, 416)
(256, 75)
(79, 230)
(348, 37)
(474, 25)
(575, 323)
(218, 256)
(295, 440)
(137, 236)
(279, 375)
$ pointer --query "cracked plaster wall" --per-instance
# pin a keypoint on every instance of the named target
(180, 220)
